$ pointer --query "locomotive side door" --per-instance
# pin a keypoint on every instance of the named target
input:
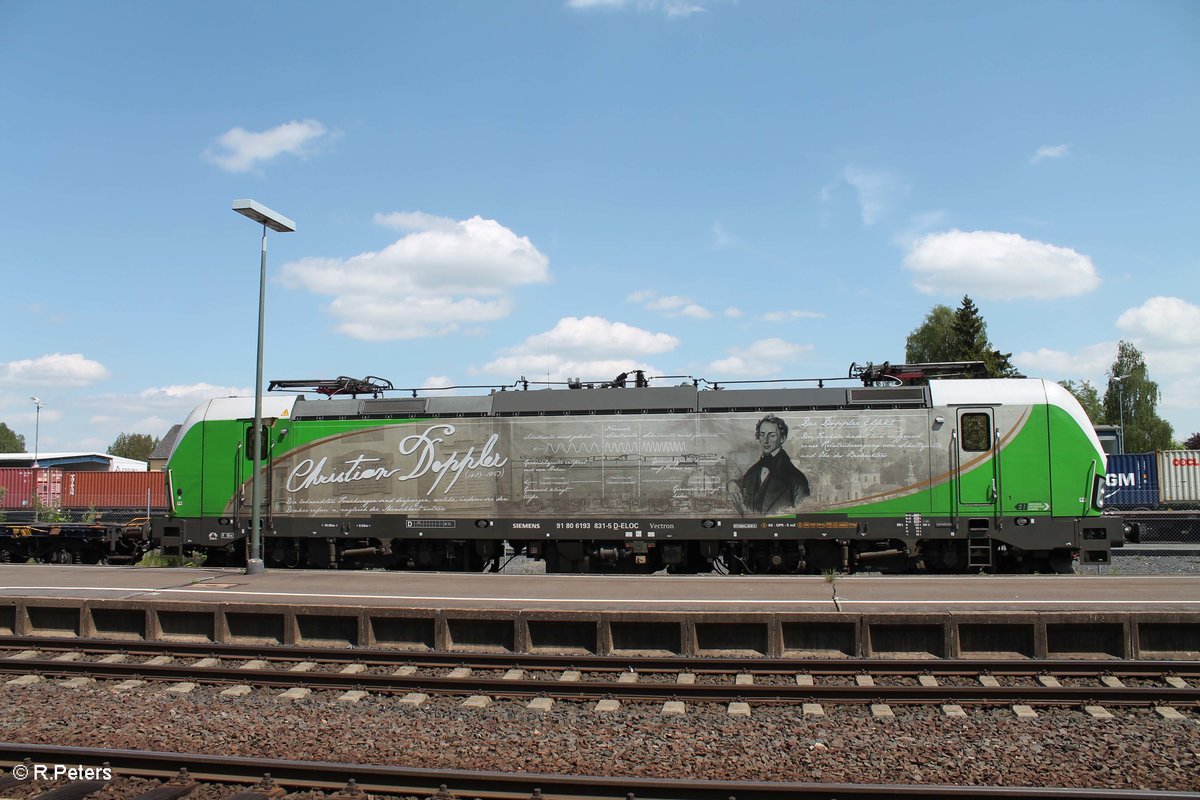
(244, 472)
(976, 466)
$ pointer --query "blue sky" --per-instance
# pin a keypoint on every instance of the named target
(484, 191)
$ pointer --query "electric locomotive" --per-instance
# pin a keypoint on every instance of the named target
(948, 476)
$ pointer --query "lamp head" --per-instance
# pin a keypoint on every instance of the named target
(261, 214)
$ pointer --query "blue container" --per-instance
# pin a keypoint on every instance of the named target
(1131, 481)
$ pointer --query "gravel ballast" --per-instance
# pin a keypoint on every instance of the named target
(990, 746)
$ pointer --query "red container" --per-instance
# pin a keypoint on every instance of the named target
(23, 485)
(114, 490)
(17, 486)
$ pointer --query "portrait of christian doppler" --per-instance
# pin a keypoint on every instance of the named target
(773, 483)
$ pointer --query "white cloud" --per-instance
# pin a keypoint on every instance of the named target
(440, 383)
(1167, 331)
(1164, 320)
(918, 225)
(734, 312)
(672, 8)
(186, 396)
(671, 305)
(242, 150)
(764, 358)
(598, 336)
(721, 237)
(15, 414)
(57, 369)
(877, 190)
(154, 425)
(1180, 395)
(593, 348)
(997, 265)
(1094, 359)
(1051, 151)
(153, 410)
(433, 281)
(783, 316)
(415, 221)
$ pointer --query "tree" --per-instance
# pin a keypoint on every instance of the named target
(137, 446)
(970, 333)
(1088, 397)
(11, 441)
(1131, 400)
(933, 339)
(959, 335)
(1192, 442)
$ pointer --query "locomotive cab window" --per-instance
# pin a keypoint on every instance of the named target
(976, 433)
(265, 444)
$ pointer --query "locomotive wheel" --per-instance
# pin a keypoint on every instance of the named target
(823, 556)
(1061, 562)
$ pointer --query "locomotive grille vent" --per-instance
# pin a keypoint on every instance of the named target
(908, 395)
(413, 405)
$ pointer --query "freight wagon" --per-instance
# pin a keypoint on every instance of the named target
(1158, 494)
(1164, 480)
(110, 496)
(952, 476)
(63, 517)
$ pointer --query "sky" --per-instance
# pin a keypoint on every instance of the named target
(550, 189)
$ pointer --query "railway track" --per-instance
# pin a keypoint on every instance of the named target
(1096, 684)
(181, 774)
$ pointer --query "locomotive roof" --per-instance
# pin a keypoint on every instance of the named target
(643, 400)
(680, 399)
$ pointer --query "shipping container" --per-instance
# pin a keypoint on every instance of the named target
(1179, 477)
(114, 490)
(24, 488)
(16, 489)
(1131, 481)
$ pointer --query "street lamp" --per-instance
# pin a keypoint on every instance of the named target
(1121, 407)
(37, 427)
(276, 222)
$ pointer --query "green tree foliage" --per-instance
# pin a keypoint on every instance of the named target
(1132, 401)
(1192, 442)
(10, 440)
(933, 339)
(1088, 397)
(958, 335)
(137, 446)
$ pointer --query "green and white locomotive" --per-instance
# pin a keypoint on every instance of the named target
(951, 476)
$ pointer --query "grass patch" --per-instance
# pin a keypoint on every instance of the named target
(155, 558)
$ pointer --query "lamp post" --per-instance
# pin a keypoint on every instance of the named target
(37, 427)
(281, 224)
(1121, 406)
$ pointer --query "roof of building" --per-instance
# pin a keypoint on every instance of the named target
(99, 462)
(162, 450)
